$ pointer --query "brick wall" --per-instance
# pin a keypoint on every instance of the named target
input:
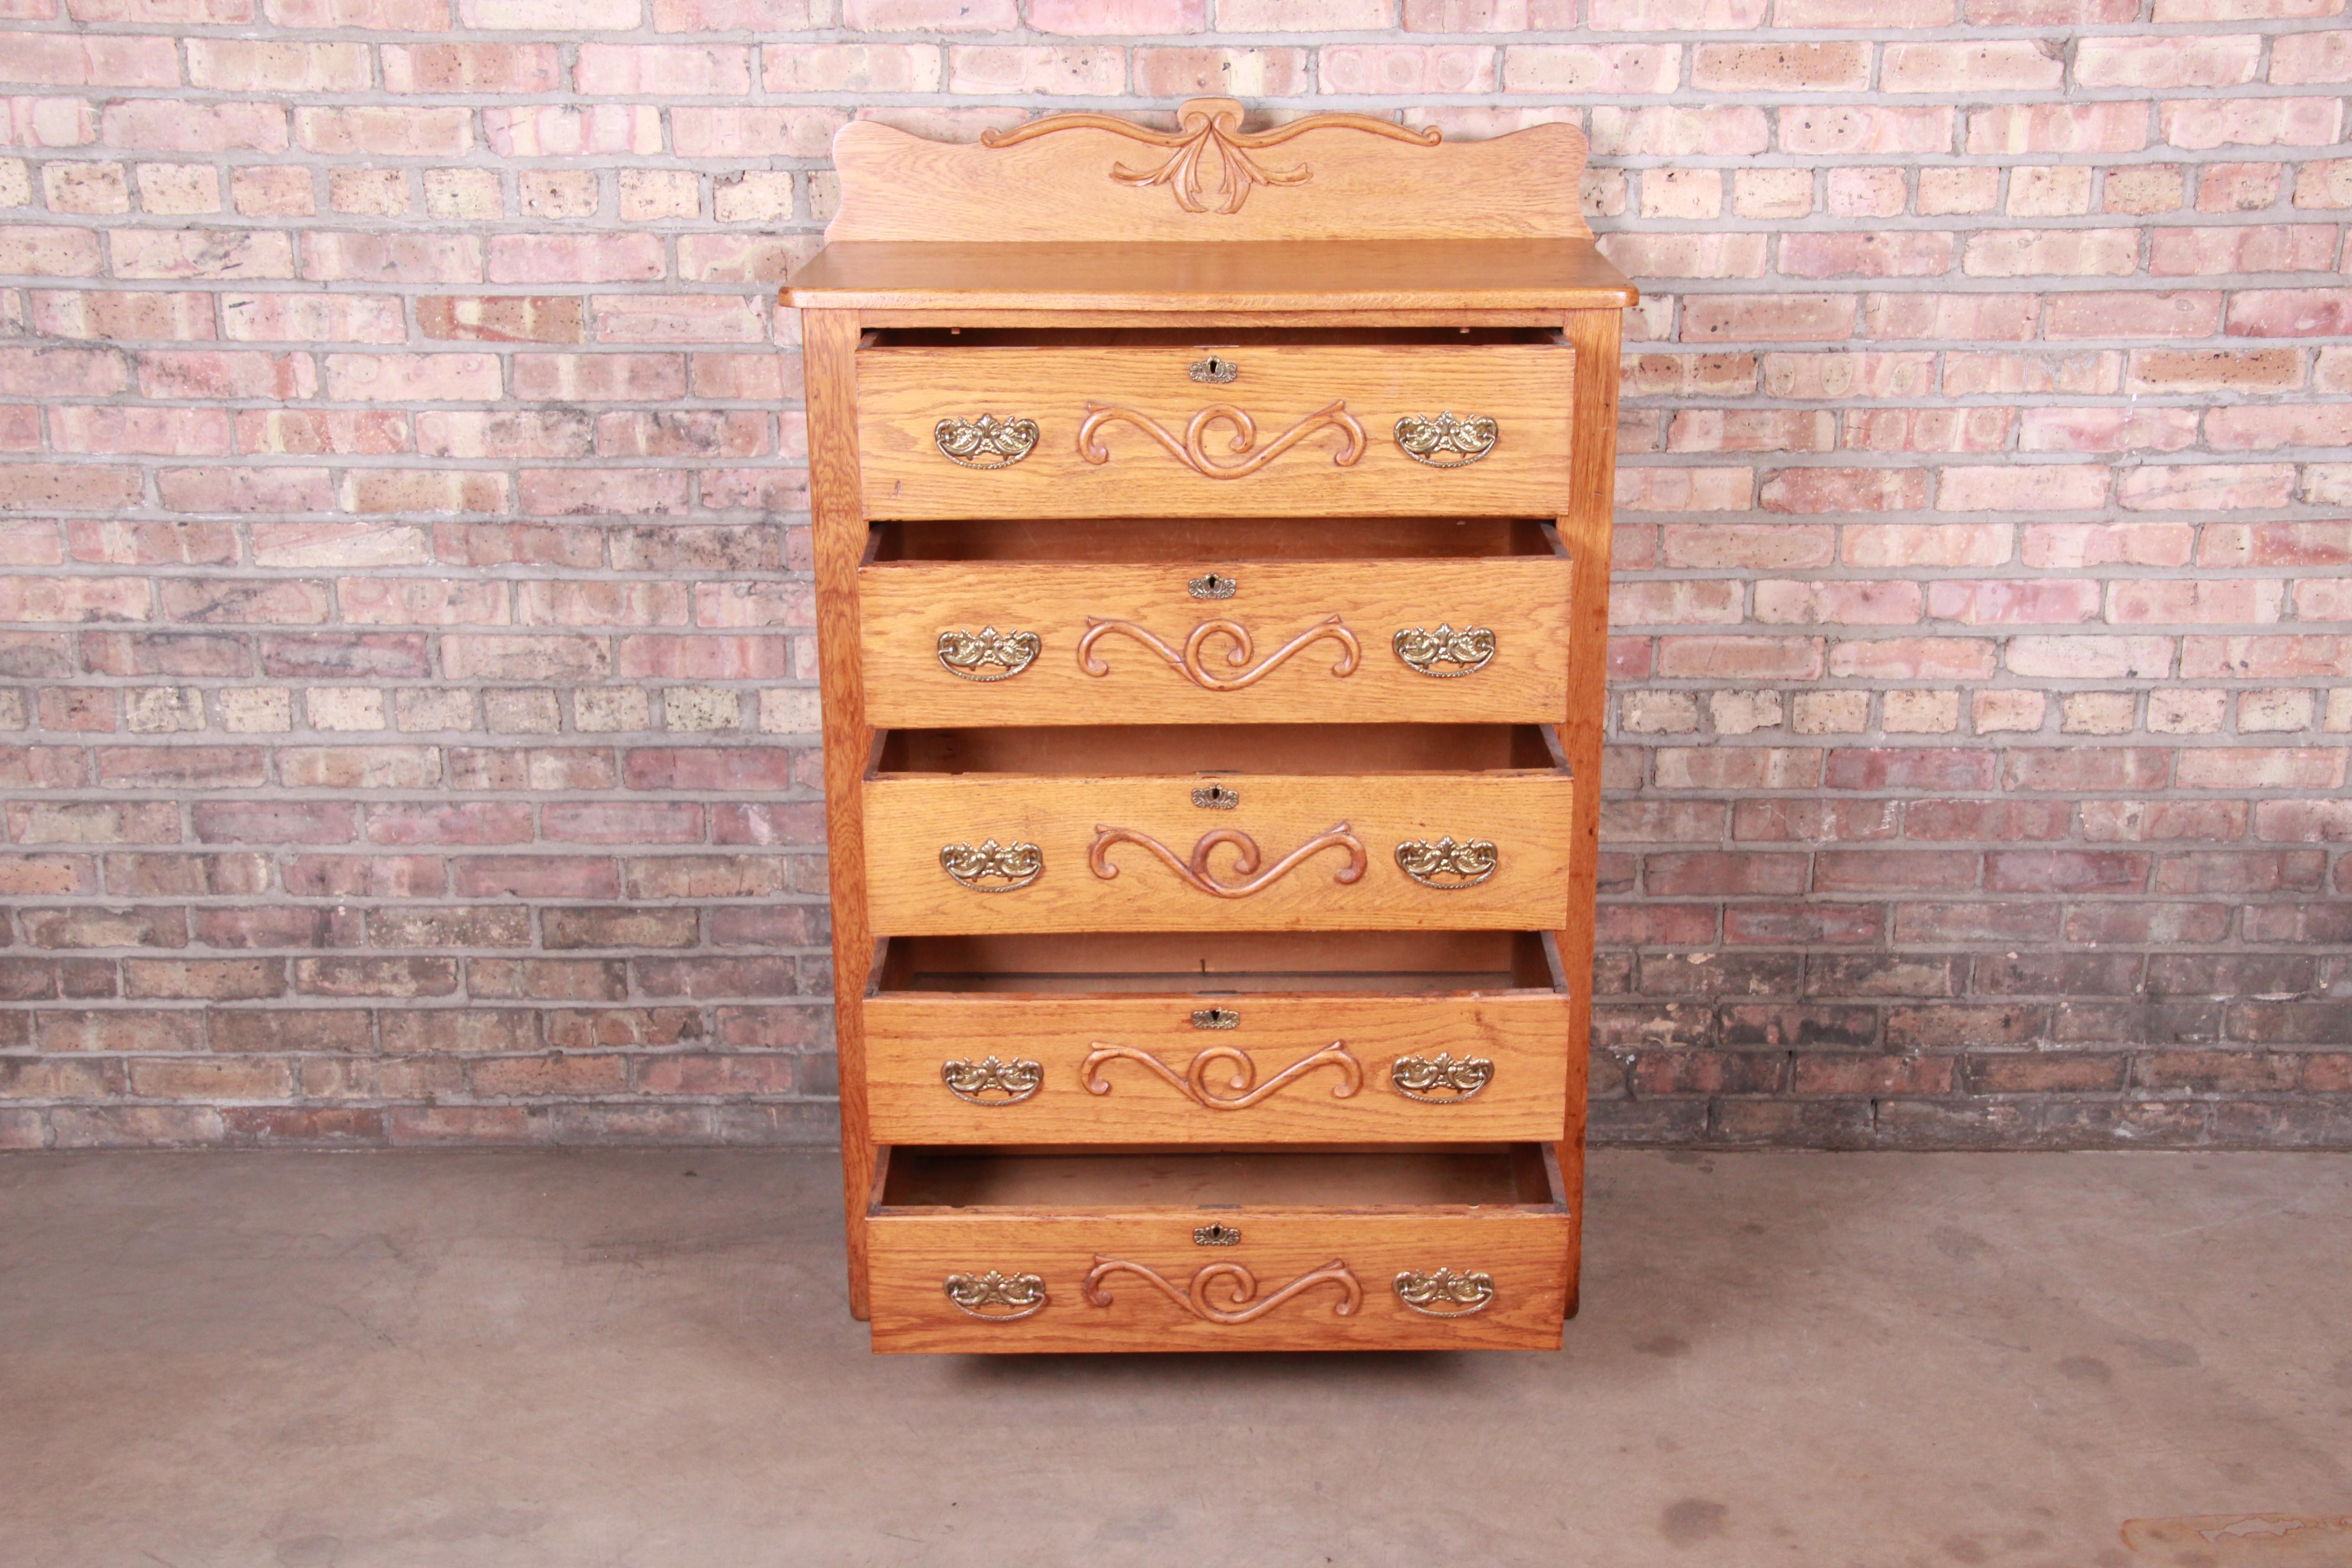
(406, 722)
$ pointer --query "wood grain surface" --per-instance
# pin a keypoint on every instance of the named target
(904, 393)
(905, 606)
(908, 1036)
(829, 356)
(1343, 181)
(1525, 814)
(1520, 1239)
(1324, 282)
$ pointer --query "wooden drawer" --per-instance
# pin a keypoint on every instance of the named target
(1265, 827)
(1424, 1249)
(1358, 633)
(1261, 1037)
(1133, 430)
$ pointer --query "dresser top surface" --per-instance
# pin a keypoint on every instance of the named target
(1250, 276)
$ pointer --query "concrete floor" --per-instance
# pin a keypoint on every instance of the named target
(579, 1360)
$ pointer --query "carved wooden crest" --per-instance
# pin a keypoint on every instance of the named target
(1092, 177)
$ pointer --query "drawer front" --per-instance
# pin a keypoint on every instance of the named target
(1258, 642)
(1255, 1069)
(1362, 430)
(976, 853)
(1290, 1283)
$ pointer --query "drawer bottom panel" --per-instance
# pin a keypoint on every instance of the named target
(1464, 1248)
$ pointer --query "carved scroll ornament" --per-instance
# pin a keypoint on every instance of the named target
(1193, 449)
(1197, 875)
(1209, 135)
(1241, 1287)
(1190, 663)
(1193, 1082)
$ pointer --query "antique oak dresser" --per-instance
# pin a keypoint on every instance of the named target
(1211, 551)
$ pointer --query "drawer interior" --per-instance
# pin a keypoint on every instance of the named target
(1482, 1176)
(1054, 540)
(1142, 750)
(1221, 963)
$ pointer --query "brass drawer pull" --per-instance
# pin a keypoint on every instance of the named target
(1445, 1294)
(1193, 1083)
(1196, 873)
(1220, 371)
(1023, 1294)
(1212, 586)
(1240, 1287)
(1193, 668)
(971, 442)
(1446, 442)
(1215, 1018)
(1017, 1079)
(1468, 650)
(1446, 866)
(1020, 864)
(1440, 1080)
(964, 654)
(1192, 450)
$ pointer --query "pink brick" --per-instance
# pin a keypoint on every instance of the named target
(2263, 427)
(663, 70)
(2106, 428)
(1407, 68)
(2073, 253)
(2261, 247)
(2291, 312)
(2214, 486)
(63, 60)
(1907, 253)
(2227, 60)
(2248, 767)
(1840, 130)
(1844, 489)
(587, 492)
(2014, 602)
(1892, 544)
(930, 15)
(167, 125)
(1743, 318)
(569, 257)
(1620, 69)
(2013, 128)
(2100, 313)
(1964, 317)
(549, 131)
(2200, 123)
(1914, 659)
(2177, 601)
(412, 378)
(255, 66)
(1126, 17)
(2007, 65)
(470, 67)
(754, 133)
(1837, 603)
(1729, 130)
(2320, 57)
(225, 254)
(2023, 488)
(2101, 657)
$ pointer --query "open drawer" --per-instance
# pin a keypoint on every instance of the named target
(1428, 1249)
(1207, 1037)
(1256, 827)
(1242, 423)
(1201, 621)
